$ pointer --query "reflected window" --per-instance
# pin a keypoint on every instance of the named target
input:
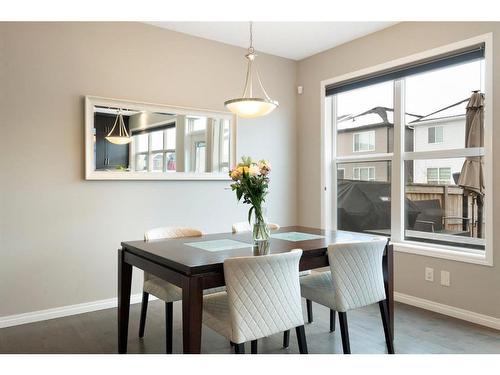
(200, 148)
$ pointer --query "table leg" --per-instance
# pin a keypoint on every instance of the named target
(388, 268)
(124, 285)
(192, 309)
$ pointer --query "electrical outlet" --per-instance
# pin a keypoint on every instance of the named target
(445, 278)
(429, 274)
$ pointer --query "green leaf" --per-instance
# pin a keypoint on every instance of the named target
(250, 214)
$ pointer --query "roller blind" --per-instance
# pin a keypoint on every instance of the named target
(456, 57)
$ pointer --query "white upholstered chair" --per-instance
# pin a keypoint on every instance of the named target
(162, 289)
(244, 226)
(262, 299)
(355, 280)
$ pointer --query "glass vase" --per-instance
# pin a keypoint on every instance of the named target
(260, 229)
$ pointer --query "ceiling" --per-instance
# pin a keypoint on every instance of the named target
(293, 40)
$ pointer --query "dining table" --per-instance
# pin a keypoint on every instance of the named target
(192, 265)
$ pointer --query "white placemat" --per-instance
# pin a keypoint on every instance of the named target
(296, 236)
(219, 245)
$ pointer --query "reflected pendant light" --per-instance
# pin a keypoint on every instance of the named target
(250, 106)
(119, 134)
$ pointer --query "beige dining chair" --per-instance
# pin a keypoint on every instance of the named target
(262, 299)
(167, 292)
(244, 226)
(355, 280)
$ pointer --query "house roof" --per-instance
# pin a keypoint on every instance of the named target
(384, 117)
(372, 118)
(454, 110)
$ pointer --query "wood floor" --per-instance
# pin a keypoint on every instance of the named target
(417, 331)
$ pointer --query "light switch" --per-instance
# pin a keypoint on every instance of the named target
(429, 274)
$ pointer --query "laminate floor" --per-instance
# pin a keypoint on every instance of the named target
(417, 331)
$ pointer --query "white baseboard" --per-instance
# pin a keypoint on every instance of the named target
(470, 316)
(59, 312)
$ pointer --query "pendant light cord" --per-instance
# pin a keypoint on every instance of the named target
(251, 49)
(248, 88)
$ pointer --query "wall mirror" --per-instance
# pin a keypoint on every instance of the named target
(128, 140)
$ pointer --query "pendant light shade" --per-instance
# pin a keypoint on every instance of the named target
(250, 106)
(119, 134)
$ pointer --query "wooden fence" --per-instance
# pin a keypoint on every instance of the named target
(454, 203)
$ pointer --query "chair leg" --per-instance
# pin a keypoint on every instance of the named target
(144, 310)
(301, 339)
(344, 332)
(286, 339)
(169, 319)
(384, 312)
(239, 348)
(254, 347)
(332, 320)
(309, 311)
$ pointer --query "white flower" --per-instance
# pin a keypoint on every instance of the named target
(254, 170)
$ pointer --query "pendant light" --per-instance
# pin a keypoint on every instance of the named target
(119, 136)
(248, 105)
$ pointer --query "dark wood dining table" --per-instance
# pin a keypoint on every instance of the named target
(194, 269)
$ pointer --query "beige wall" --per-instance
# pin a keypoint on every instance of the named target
(58, 232)
(473, 287)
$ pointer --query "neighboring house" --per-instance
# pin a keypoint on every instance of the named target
(440, 130)
(370, 132)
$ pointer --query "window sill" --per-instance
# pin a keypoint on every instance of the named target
(444, 252)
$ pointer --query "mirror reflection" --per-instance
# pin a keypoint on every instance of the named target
(144, 141)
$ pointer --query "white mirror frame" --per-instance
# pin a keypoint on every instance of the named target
(91, 174)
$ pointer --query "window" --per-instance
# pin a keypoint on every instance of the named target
(438, 176)
(200, 150)
(364, 141)
(364, 173)
(435, 134)
(155, 150)
(437, 203)
(340, 173)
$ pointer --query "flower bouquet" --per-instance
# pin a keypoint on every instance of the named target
(251, 182)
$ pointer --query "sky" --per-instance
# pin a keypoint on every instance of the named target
(425, 92)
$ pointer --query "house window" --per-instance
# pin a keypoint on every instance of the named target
(441, 196)
(340, 173)
(438, 176)
(435, 134)
(364, 141)
(364, 173)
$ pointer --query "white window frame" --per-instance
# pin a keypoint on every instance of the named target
(359, 173)
(371, 134)
(439, 179)
(150, 152)
(442, 134)
(329, 160)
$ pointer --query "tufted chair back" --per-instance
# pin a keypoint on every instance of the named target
(263, 295)
(168, 232)
(357, 273)
(244, 226)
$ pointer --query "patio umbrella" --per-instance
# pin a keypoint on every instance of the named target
(471, 177)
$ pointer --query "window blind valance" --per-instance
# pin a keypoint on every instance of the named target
(456, 57)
